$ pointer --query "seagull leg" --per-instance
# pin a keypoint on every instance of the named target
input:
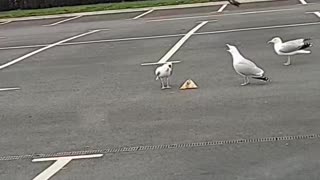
(162, 85)
(288, 62)
(246, 81)
(168, 86)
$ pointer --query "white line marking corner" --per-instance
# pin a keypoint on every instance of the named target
(143, 14)
(303, 2)
(45, 48)
(222, 8)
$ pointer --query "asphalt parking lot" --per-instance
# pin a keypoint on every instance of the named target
(82, 91)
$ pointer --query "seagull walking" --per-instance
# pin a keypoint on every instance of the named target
(164, 72)
(290, 48)
(245, 67)
(234, 2)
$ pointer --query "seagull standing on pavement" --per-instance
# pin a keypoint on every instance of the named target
(234, 2)
(245, 67)
(164, 72)
(290, 48)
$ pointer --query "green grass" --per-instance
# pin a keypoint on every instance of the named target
(96, 7)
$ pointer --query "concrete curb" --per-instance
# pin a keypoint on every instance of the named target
(127, 10)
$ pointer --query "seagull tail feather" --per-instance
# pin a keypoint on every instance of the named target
(306, 45)
(303, 52)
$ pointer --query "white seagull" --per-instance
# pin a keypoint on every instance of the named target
(164, 72)
(290, 48)
(245, 67)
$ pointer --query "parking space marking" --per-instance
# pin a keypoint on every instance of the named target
(45, 48)
(9, 89)
(164, 36)
(65, 20)
(222, 8)
(23, 47)
(317, 13)
(59, 164)
(303, 2)
(258, 28)
(6, 22)
(143, 14)
(174, 49)
(215, 15)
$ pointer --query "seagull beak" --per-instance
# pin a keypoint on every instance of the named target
(269, 42)
(228, 47)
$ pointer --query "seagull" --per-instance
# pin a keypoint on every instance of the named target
(290, 48)
(245, 67)
(234, 2)
(164, 72)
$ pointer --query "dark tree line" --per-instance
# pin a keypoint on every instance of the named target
(35, 4)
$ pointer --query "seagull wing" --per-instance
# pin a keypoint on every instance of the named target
(292, 46)
(248, 68)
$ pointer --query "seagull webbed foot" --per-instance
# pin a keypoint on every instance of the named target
(287, 63)
(245, 83)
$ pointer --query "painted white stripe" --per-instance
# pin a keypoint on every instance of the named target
(52, 170)
(174, 49)
(222, 8)
(303, 2)
(143, 14)
(45, 48)
(58, 165)
(258, 28)
(156, 63)
(9, 89)
(316, 13)
(6, 22)
(68, 157)
(215, 15)
(164, 36)
(97, 41)
(22, 47)
(65, 20)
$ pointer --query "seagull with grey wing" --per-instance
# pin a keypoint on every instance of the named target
(244, 67)
(290, 48)
(164, 72)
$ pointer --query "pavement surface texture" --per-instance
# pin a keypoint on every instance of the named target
(82, 91)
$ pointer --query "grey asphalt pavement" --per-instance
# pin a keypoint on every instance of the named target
(95, 96)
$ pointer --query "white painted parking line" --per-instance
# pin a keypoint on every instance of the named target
(6, 22)
(9, 89)
(143, 14)
(258, 28)
(317, 13)
(216, 15)
(45, 48)
(97, 41)
(222, 8)
(165, 36)
(63, 21)
(303, 2)
(174, 49)
(23, 47)
(59, 164)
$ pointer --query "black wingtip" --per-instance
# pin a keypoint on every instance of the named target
(263, 78)
(306, 45)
